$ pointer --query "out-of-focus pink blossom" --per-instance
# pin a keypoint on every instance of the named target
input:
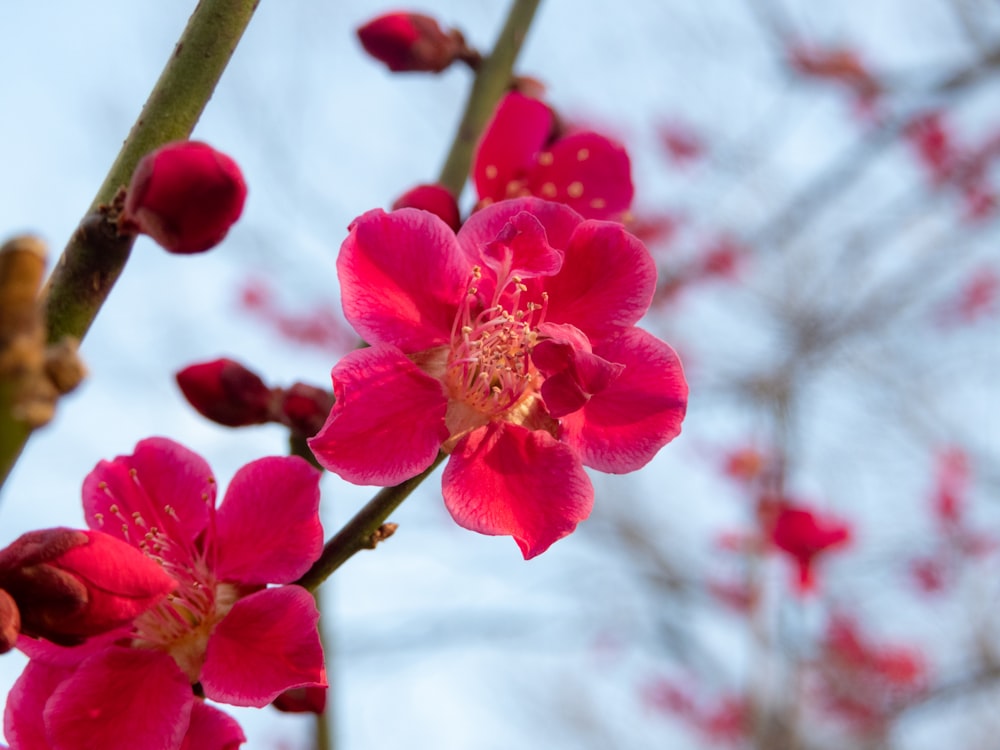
(521, 154)
(434, 198)
(804, 535)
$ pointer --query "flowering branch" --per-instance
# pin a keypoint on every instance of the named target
(492, 79)
(74, 293)
(96, 253)
(363, 531)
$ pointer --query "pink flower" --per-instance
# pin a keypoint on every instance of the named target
(804, 535)
(520, 154)
(223, 628)
(512, 346)
(186, 196)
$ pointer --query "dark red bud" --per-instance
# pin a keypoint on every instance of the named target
(70, 585)
(305, 408)
(10, 622)
(302, 700)
(185, 195)
(226, 392)
(411, 42)
(434, 198)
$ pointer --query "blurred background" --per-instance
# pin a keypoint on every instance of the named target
(817, 182)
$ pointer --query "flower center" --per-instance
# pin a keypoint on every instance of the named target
(183, 621)
(489, 367)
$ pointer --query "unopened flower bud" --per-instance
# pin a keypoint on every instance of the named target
(302, 700)
(10, 622)
(413, 42)
(305, 408)
(70, 585)
(226, 392)
(185, 195)
(434, 198)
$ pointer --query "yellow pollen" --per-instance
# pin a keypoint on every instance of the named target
(583, 154)
(598, 203)
(545, 158)
(491, 172)
(575, 189)
(113, 509)
(549, 190)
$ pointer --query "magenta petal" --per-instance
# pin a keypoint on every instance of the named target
(621, 428)
(573, 373)
(26, 701)
(606, 283)
(589, 173)
(505, 479)
(522, 249)
(211, 729)
(482, 228)
(268, 528)
(402, 278)
(268, 643)
(510, 144)
(121, 699)
(161, 484)
(387, 424)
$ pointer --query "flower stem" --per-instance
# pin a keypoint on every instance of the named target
(363, 530)
(492, 79)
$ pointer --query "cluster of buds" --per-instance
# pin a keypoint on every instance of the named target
(67, 585)
(415, 43)
(230, 394)
(185, 195)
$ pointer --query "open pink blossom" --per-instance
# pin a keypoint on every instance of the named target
(223, 628)
(521, 154)
(512, 346)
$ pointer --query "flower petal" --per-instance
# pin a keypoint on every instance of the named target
(121, 699)
(211, 729)
(606, 283)
(401, 278)
(522, 249)
(505, 479)
(588, 172)
(482, 228)
(268, 643)
(268, 528)
(26, 701)
(573, 373)
(621, 428)
(510, 144)
(388, 421)
(161, 484)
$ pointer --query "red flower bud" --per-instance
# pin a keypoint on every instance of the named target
(412, 42)
(305, 408)
(185, 195)
(434, 198)
(302, 700)
(10, 622)
(226, 392)
(69, 584)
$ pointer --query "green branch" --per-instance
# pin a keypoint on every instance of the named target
(93, 260)
(364, 530)
(96, 254)
(492, 80)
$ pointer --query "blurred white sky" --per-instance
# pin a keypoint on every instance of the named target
(323, 134)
